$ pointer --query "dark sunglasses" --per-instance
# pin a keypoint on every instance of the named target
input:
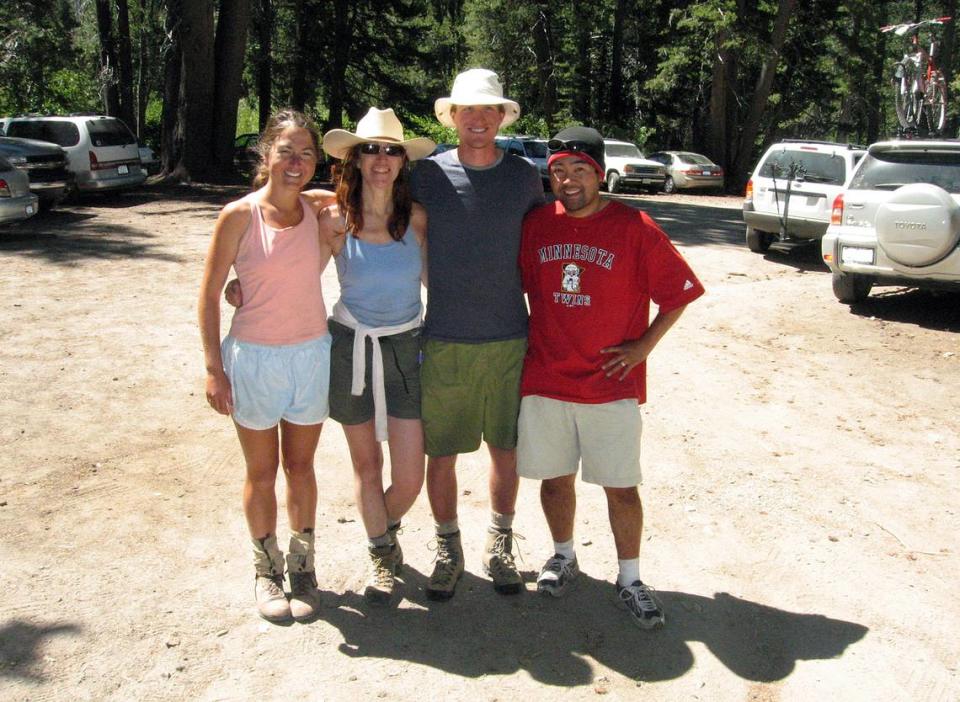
(555, 145)
(389, 149)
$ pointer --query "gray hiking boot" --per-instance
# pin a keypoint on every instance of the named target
(498, 562)
(448, 567)
(394, 531)
(304, 595)
(271, 601)
(381, 583)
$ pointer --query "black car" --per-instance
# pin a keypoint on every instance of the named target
(44, 163)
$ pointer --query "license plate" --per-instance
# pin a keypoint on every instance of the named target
(30, 209)
(856, 254)
(123, 170)
(705, 173)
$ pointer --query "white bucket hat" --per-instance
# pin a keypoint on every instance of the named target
(477, 86)
(381, 126)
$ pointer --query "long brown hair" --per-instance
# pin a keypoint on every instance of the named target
(280, 120)
(350, 196)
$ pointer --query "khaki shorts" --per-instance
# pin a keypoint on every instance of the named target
(555, 436)
(401, 376)
(470, 392)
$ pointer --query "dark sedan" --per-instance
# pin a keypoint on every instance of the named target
(45, 164)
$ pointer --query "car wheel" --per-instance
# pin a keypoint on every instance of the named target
(851, 287)
(613, 182)
(757, 241)
(669, 186)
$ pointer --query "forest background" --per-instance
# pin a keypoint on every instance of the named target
(722, 77)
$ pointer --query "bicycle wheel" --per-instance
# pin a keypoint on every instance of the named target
(935, 104)
(908, 105)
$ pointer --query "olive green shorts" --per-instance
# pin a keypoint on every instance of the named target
(470, 392)
(401, 375)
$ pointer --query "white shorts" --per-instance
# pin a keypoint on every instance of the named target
(270, 383)
(555, 436)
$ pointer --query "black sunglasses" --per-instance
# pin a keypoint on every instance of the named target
(555, 145)
(389, 149)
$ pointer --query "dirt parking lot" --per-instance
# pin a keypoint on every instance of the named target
(801, 464)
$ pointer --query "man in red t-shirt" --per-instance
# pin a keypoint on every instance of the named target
(590, 269)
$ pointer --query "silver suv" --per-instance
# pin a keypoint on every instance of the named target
(789, 195)
(898, 221)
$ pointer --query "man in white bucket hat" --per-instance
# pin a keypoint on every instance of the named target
(476, 323)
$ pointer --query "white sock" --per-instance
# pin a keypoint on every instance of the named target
(565, 549)
(501, 522)
(447, 528)
(629, 571)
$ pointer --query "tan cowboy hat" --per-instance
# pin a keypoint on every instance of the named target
(477, 86)
(381, 126)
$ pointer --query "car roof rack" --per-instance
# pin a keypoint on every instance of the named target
(825, 143)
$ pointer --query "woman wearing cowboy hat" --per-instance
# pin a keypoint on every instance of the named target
(378, 238)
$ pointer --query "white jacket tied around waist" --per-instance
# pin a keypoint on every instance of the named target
(360, 335)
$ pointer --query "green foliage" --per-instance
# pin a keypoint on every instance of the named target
(416, 125)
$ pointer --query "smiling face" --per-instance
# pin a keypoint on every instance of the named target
(292, 159)
(576, 184)
(477, 125)
(380, 170)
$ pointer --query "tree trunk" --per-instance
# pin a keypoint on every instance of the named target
(751, 125)
(172, 61)
(298, 83)
(615, 106)
(195, 123)
(230, 46)
(543, 48)
(717, 142)
(108, 59)
(264, 33)
(341, 58)
(582, 80)
(125, 64)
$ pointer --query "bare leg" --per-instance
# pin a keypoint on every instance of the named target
(298, 446)
(504, 483)
(442, 487)
(558, 497)
(367, 457)
(626, 520)
(406, 466)
(261, 453)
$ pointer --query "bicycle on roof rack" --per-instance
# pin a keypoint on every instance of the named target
(919, 90)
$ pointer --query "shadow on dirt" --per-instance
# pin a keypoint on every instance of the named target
(20, 645)
(925, 308)
(552, 639)
(693, 225)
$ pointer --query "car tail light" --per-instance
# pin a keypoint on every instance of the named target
(748, 195)
(836, 214)
(94, 164)
(4, 188)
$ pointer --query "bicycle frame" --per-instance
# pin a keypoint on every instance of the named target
(920, 92)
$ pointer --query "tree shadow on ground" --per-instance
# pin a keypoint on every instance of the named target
(481, 633)
(70, 236)
(20, 644)
(693, 225)
(925, 308)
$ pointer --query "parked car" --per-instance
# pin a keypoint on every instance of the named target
(688, 170)
(534, 149)
(898, 220)
(628, 168)
(789, 196)
(516, 146)
(16, 200)
(45, 164)
(148, 160)
(102, 152)
(245, 156)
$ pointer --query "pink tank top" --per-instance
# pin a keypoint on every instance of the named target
(279, 271)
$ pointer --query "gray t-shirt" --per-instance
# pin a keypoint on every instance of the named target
(473, 241)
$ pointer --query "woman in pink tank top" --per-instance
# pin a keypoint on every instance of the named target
(271, 373)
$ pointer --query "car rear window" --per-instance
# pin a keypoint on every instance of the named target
(536, 149)
(109, 132)
(815, 166)
(890, 169)
(622, 151)
(688, 157)
(58, 132)
(5, 165)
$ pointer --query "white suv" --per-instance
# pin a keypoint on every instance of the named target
(102, 151)
(791, 191)
(898, 221)
(627, 167)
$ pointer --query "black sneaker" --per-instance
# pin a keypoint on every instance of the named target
(556, 575)
(639, 601)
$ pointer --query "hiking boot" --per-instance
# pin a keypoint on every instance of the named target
(381, 582)
(304, 595)
(556, 575)
(448, 567)
(394, 531)
(644, 609)
(498, 562)
(271, 601)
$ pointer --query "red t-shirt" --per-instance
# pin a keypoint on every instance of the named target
(590, 281)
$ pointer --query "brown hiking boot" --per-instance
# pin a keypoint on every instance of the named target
(498, 562)
(304, 595)
(394, 531)
(448, 567)
(271, 601)
(380, 584)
